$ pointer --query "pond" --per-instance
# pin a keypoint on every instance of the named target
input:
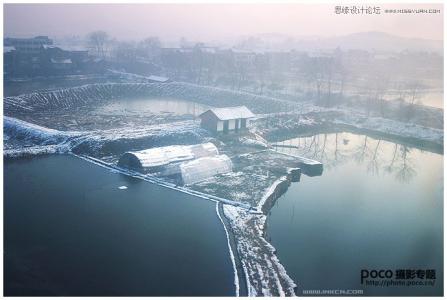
(72, 228)
(377, 205)
(152, 106)
(118, 113)
(433, 98)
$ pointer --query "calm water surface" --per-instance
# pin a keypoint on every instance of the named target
(70, 230)
(378, 205)
(150, 106)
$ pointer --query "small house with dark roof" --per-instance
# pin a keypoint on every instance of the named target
(226, 119)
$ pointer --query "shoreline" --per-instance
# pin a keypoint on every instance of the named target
(240, 277)
(284, 283)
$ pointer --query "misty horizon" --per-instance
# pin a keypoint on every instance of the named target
(213, 23)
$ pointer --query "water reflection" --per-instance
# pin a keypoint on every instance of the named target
(335, 149)
(360, 214)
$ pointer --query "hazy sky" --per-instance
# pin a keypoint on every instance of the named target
(212, 21)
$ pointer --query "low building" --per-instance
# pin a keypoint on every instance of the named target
(226, 119)
(157, 79)
(38, 56)
(183, 164)
(61, 64)
(203, 168)
(32, 46)
(157, 159)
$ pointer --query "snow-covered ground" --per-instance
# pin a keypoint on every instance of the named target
(21, 135)
(392, 127)
(253, 174)
(285, 115)
(273, 126)
(265, 276)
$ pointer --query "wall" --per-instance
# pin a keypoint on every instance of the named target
(231, 124)
(219, 125)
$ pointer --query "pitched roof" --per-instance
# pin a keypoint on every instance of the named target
(230, 113)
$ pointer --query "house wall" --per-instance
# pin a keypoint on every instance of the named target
(209, 121)
(219, 126)
(231, 124)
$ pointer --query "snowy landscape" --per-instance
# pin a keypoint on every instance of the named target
(258, 169)
(140, 110)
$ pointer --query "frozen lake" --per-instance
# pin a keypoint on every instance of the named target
(73, 228)
(378, 205)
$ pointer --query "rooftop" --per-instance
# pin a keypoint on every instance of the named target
(230, 113)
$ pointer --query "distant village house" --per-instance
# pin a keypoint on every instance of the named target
(226, 119)
(39, 56)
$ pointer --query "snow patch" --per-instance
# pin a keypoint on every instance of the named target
(233, 261)
(264, 273)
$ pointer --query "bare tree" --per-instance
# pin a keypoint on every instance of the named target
(149, 47)
(261, 67)
(382, 83)
(373, 164)
(390, 167)
(97, 40)
(125, 52)
(314, 72)
(211, 65)
(329, 66)
(375, 88)
(184, 43)
(405, 170)
(362, 151)
(415, 91)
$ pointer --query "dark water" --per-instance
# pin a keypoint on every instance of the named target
(378, 205)
(69, 230)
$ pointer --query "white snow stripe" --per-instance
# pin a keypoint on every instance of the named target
(233, 261)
